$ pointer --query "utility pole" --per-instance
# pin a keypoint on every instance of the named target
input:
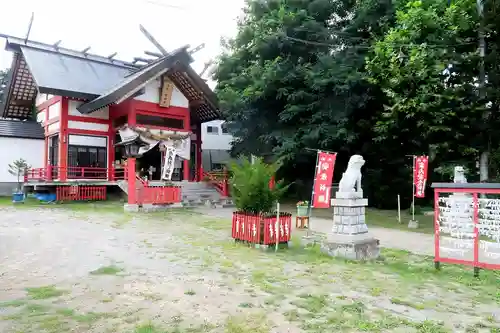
(483, 160)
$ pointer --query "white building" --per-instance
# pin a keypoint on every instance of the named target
(18, 139)
(216, 143)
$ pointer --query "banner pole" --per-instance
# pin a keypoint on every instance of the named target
(413, 191)
(312, 193)
(277, 233)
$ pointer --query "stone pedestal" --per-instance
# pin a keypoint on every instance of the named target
(349, 237)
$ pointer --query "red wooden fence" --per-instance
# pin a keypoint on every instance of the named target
(261, 229)
(80, 193)
(467, 225)
(159, 195)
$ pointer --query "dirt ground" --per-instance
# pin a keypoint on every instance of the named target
(73, 271)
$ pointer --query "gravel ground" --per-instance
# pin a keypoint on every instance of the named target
(76, 271)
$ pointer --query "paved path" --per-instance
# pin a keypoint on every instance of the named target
(396, 239)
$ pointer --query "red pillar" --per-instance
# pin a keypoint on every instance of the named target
(63, 140)
(187, 127)
(199, 155)
(132, 194)
(111, 149)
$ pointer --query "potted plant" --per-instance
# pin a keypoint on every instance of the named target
(18, 168)
(302, 208)
(255, 220)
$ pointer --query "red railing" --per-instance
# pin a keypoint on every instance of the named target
(219, 180)
(80, 193)
(261, 229)
(55, 172)
(466, 224)
(159, 195)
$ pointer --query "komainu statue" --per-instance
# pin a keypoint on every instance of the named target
(351, 179)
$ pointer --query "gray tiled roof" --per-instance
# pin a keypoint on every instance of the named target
(59, 72)
(21, 129)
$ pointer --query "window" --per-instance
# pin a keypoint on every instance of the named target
(212, 130)
(160, 121)
(89, 157)
(224, 128)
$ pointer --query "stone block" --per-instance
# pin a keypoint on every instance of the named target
(344, 202)
(413, 224)
(349, 195)
(365, 249)
(131, 208)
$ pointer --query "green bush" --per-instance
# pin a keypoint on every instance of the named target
(250, 186)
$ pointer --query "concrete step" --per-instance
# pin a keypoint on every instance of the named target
(221, 203)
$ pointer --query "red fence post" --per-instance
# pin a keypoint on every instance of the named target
(475, 218)
(225, 189)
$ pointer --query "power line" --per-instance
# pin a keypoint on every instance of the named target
(304, 41)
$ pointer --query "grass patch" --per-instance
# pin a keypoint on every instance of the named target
(44, 292)
(36, 317)
(107, 270)
(398, 301)
(190, 292)
(12, 304)
(257, 323)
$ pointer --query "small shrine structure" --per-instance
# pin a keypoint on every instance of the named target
(82, 100)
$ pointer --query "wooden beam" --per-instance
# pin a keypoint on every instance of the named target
(29, 27)
(153, 54)
(196, 49)
(136, 59)
(21, 102)
(153, 40)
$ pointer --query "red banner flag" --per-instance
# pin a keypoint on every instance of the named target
(420, 175)
(323, 180)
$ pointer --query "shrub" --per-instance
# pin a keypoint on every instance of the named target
(250, 186)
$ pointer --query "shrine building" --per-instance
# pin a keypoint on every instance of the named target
(82, 100)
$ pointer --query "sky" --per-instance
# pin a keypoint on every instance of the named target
(110, 26)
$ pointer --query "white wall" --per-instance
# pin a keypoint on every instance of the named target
(87, 140)
(13, 149)
(215, 141)
(100, 114)
(87, 126)
(152, 94)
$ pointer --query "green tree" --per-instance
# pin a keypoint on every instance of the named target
(18, 168)
(427, 66)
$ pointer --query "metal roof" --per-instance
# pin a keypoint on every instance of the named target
(133, 83)
(54, 73)
(50, 69)
(21, 129)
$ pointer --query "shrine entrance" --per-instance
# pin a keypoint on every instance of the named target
(149, 164)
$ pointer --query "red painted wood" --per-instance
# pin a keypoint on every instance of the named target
(132, 195)
(63, 139)
(45, 174)
(260, 229)
(476, 261)
(79, 193)
(436, 227)
(87, 132)
(154, 108)
(89, 120)
(48, 103)
(159, 195)
(468, 190)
